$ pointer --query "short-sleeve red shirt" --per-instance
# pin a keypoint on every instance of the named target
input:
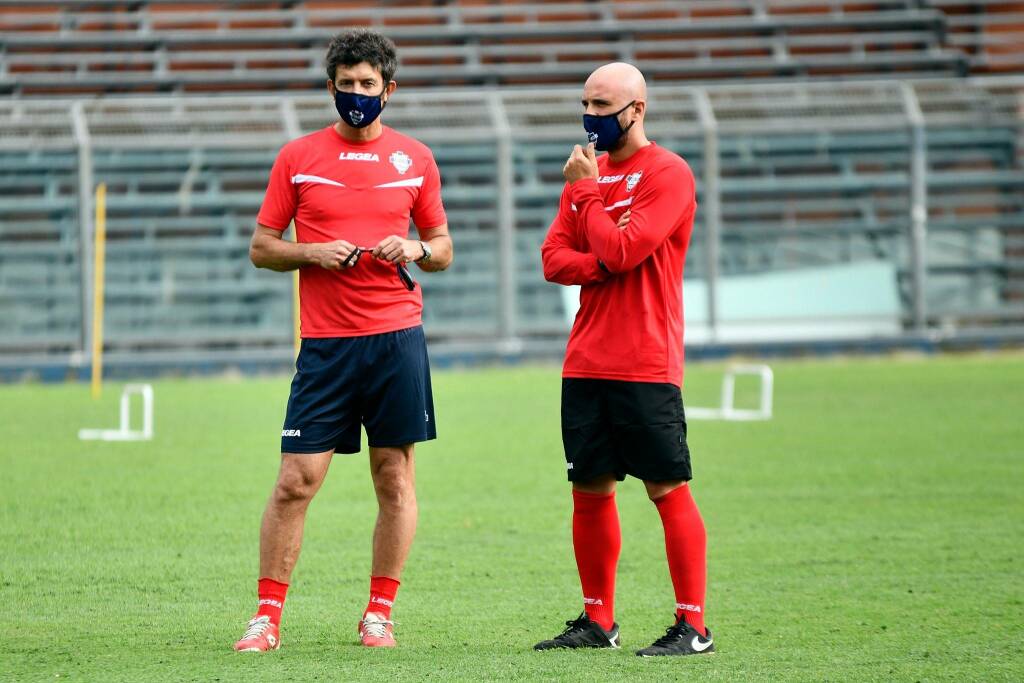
(361, 192)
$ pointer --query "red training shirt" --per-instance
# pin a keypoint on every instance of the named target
(361, 192)
(630, 323)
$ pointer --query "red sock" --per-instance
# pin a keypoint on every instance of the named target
(271, 594)
(597, 540)
(686, 547)
(383, 590)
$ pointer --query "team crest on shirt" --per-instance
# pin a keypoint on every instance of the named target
(632, 179)
(356, 116)
(401, 161)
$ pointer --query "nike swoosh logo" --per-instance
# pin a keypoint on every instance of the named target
(699, 646)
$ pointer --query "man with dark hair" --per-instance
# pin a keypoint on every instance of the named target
(354, 47)
(351, 189)
(622, 231)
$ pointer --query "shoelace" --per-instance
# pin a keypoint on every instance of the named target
(376, 629)
(672, 634)
(574, 626)
(257, 627)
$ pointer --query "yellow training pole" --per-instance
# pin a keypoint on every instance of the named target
(99, 260)
(295, 302)
(295, 311)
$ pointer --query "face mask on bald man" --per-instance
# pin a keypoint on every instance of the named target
(604, 131)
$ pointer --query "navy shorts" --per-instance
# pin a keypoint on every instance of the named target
(380, 381)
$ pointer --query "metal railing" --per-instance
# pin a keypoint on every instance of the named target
(757, 152)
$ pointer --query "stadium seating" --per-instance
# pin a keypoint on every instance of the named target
(990, 33)
(157, 46)
(810, 176)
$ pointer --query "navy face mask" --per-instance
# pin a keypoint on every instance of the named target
(357, 110)
(605, 131)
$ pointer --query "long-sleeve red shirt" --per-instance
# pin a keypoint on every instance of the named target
(630, 323)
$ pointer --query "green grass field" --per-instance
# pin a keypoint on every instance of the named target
(872, 531)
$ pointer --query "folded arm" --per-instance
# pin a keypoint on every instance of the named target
(563, 261)
(662, 199)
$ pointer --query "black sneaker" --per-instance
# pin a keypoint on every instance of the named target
(582, 632)
(681, 639)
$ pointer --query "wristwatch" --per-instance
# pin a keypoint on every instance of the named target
(427, 253)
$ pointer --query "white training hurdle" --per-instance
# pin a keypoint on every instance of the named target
(727, 409)
(125, 432)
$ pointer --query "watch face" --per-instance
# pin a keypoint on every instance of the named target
(426, 251)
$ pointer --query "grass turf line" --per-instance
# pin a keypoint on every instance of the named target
(871, 531)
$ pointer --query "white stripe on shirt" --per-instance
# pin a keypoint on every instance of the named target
(303, 178)
(408, 182)
(624, 202)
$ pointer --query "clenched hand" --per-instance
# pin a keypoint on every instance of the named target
(582, 164)
(398, 250)
(336, 255)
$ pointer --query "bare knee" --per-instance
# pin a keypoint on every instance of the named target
(658, 489)
(296, 485)
(602, 485)
(394, 485)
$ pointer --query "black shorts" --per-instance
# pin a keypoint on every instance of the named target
(620, 428)
(380, 381)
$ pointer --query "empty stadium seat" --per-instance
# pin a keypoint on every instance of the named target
(165, 46)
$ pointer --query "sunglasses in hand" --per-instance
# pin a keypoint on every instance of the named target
(403, 272)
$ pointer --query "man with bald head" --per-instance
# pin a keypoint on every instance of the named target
(621, 232)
